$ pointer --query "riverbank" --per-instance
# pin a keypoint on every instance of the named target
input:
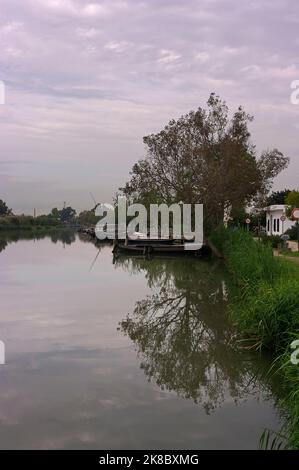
(265, 308)
(32, 224)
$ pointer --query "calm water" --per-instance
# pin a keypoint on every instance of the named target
(126, 354)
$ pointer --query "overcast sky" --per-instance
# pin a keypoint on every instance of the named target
(86, 80)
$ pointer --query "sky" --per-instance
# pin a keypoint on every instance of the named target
(85, 80)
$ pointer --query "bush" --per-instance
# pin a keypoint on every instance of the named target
(273, 240)
(292, 232)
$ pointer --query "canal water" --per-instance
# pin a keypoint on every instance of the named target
(124, 353)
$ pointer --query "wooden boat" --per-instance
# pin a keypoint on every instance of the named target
(148, 249)
(153, 241)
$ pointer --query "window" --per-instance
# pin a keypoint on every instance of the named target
(277, 225)
(274, 225)
(268, 226)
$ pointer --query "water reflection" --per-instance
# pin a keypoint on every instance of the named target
(184, 339)
(3, 244)
(71, 380)
(66, 236)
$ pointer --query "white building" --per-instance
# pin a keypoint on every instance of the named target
(276, 220)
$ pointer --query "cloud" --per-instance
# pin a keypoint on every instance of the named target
(167, 57)
(116, 46)
(78, 8)
(262, 72)
(70, 7)
(10, 27)
(202, 56)
(85, 80)
(88, 32)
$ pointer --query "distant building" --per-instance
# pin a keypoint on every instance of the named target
(274, 224)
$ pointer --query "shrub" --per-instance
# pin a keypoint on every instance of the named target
(292, 232)
(273, 240)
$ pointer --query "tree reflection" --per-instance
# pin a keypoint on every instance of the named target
(184, 339)
(65, 236)
(3, 245)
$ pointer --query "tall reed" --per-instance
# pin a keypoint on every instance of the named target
(265, 307)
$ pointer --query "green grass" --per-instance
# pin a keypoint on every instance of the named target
(294, 254)
(292, 266)
(265, 307)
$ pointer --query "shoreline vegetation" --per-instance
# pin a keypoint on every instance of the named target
(265, 309)
(28, 222)
(66, 217)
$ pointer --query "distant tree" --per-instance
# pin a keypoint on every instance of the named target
(4, 210)
(205, 157)
(46, 220)
(68, 214)
(257, 219)
(55, 212)
(65, 215)
(88, 218)
(278, 197)
(270, 164)
(292, 201)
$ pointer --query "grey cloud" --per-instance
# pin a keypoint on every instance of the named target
(87, 78)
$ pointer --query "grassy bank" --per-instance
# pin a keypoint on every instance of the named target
(265, 308)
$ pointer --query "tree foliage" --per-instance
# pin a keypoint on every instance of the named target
(278, 197)
(65, 215)
(88, 218)
(204, 157)
(292, 201)
(4, 210)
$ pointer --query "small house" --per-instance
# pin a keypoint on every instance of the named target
(277, 222)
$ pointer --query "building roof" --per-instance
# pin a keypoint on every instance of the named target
(276, 207)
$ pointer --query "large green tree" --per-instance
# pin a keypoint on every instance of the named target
(205, 157)
(278, 197)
